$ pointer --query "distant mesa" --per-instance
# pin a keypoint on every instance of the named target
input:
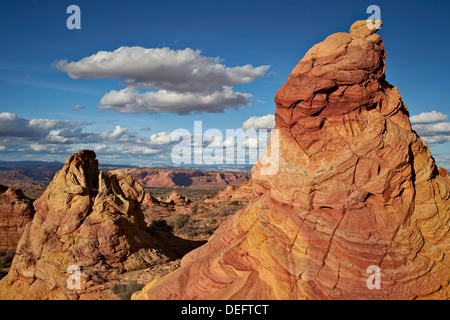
(174, 178)
(356, 190)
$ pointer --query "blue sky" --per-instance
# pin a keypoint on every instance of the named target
(250, 45)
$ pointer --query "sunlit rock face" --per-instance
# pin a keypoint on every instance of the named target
(356, 192)
(88, 219)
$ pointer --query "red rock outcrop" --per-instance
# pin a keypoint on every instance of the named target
(88, 219)
(177, 199)
(16, 210)
(232, 193)
(355, 190)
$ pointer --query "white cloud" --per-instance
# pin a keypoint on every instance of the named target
(126, 149)
(183, 81)
(78, 107)
(160, 138)
(428, 117)
(14, 126)
(441, 128)
(38, 147)
(161, 68)
(431, 127)
(2, 148)
(129, 100)
(118, 134)
(256, 123)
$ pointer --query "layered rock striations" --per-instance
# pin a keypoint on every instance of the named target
(16, 210)
(357, 195)
(89, 220)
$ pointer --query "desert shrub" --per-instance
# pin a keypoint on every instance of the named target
(181, 221)
(161, 225)
(125, 290)
(6, 257)
(5, 262)
(234, 203)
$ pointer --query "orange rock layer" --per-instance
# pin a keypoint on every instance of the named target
(356, 189)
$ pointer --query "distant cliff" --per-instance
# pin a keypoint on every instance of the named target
(172, 178)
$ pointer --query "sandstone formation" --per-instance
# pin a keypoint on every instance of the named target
(443, 173)
(16, 210)
(177, 199)
(356, 190)
(173, 178)
(232, 193)
(88, 219)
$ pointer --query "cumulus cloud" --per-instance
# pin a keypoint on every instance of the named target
(78, 107)
(126, 149)
(431, 127)
(129, 100)
(160, 138)
(256, 123)
(161, 68)
(428, 117)
(181, 81)
(13, 125)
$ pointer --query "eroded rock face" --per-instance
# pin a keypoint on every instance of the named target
(177, 199)
(87, 219)
(232, 193)
(16, 210)
(356, 189)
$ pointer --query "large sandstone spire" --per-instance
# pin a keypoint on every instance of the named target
(356, 189)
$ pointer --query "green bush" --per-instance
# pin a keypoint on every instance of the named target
(234, 203)
(6, 258)
(161, 225)
(125, 290)
(181, 221)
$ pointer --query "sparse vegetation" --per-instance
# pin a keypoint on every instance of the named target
(195, 221)
(196, 195)
(181, 221)
(161, 225)
(125, 290)
(6, 257)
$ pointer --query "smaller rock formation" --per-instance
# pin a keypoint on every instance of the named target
(443, 173)
(177, 199)
(88, 219)
(231, 193)
(16, 210)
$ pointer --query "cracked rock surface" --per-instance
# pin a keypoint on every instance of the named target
(355, 188)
